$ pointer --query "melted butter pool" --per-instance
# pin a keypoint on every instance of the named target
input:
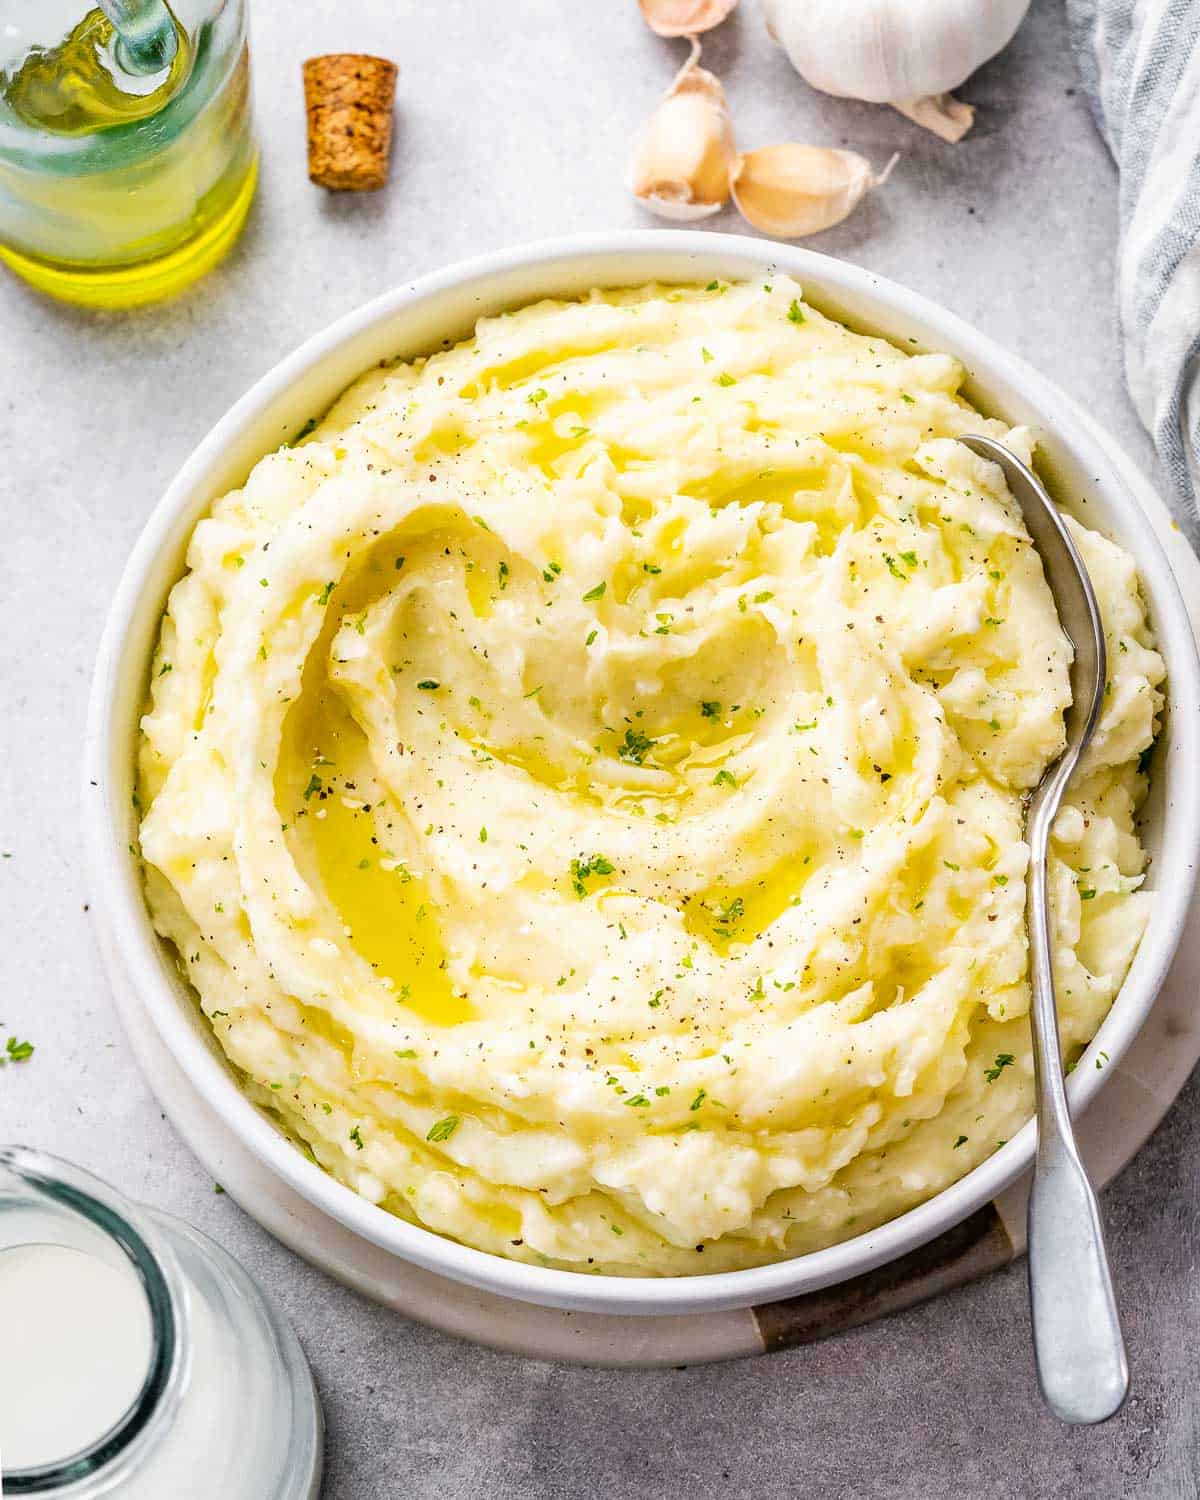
(726, 915)
(386, 910)
(389, 917)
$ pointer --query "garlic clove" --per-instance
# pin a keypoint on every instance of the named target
(682, 161)
(680, 210)
(790, 191)
(945, 115)
(684, 17)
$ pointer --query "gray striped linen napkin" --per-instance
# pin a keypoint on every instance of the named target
(1140, 63)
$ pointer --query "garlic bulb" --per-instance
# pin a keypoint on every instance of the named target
(681, 164)
(906, 53)
(790, 191)
(684, 17)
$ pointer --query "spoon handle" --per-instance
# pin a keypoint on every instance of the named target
(1077, 1341)
(1081, 1363)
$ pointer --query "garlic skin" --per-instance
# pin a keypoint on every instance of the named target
(681, 164)
(684, 17)
(907, 53)
(790, 191)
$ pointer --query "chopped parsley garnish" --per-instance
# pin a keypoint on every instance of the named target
(907, 398)
(729, 914)
(724, 379)
(315, 784)
(701, 1096)
(483, 835)
(583, 869)
(635, 746)
(16, 1051)
(503, 576)
(795, 312)
(407, 1052)
(539, 395)
(724, 778)
(1003, 1060)
(910, 558)
(710, 709)
(705, 355)
(893, 569)
(323, 596)
(443, 1129)
(591, 637)
(1087, 895)
(639, 1101)
(429, 685)
(595, 593)
(713, 286)
(962, 1141)
(356, 1137)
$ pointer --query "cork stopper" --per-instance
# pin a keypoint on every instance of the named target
(348, 98)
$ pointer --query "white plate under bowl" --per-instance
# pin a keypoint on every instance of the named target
(1077, 463)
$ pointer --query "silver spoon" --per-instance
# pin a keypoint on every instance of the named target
(1081, 1363)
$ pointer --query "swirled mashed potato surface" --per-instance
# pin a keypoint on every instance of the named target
(583, 782)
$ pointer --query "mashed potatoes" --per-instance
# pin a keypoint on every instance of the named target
(583, 782)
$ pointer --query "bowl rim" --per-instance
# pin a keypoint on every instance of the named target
(131, 948)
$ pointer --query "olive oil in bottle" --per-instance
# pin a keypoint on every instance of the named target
(121, 181)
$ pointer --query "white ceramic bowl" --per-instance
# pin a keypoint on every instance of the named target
(418, 318)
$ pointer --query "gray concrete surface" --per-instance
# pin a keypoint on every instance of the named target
(513, 122)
